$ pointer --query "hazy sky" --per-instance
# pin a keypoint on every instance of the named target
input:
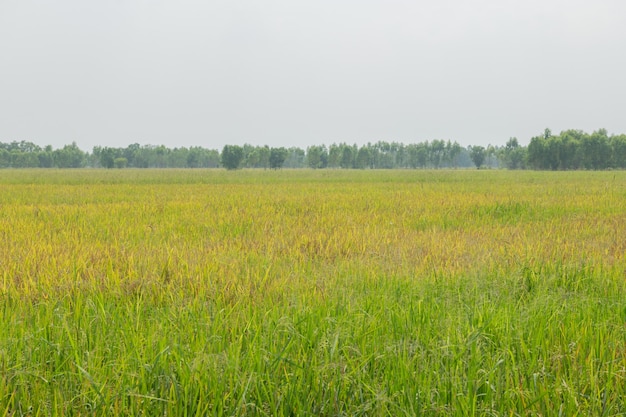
(290, 72)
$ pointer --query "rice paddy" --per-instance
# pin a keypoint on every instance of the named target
(320, 293)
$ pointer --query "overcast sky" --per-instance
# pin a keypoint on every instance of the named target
(289, 72)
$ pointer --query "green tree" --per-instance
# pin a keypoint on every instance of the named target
(70, 156)
(537, 152)
(251, 156)
(348, 155)
(5, 158)
(193, 158)
(120, 162)
(491, 156)
(161, 156)
(513, 154)
(478, 154)
(296, 158)
(547, 133)
(24, 159)
(570, 156)
(453, 150)
(277, 157)
(334, 155)
(385, 153)
(46, 157)
(418, 155)
(436, 152)
(401, 155)
(363, 158)
(596, 150)
(317, 157)
(212, 159)
(130, 153)
(106, 156)
(618, 146)
(232, 155)
(264, 156)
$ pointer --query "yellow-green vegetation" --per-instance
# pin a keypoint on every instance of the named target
(199, 292)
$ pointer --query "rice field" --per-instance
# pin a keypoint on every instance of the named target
(312, 293)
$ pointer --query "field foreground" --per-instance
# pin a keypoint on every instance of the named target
(199, 292)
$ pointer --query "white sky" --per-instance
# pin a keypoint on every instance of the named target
(291, 72)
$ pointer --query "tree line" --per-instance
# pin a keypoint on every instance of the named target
(570, 150)
(574, 149)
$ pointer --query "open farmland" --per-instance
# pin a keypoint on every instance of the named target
(200, 292)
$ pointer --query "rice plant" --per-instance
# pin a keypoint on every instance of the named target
(202, 292)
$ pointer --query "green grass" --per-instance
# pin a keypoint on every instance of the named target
(195, 292)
